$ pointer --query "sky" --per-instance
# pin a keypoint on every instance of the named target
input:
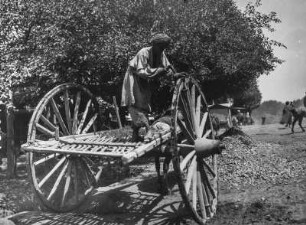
(288, 81)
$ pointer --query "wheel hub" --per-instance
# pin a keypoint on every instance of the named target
(208, 146)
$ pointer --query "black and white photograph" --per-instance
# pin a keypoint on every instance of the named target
(152, 112)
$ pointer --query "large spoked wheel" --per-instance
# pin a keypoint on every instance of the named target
(62, 182)
(194, 149)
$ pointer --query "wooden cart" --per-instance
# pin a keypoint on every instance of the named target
(67, 152)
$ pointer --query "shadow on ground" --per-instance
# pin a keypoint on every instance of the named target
(131, 202)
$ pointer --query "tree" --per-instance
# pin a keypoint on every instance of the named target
(91, 42)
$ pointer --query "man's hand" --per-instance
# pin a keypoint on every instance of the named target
(160, 71)
(180, 75)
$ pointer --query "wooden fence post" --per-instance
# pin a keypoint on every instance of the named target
(11, 154)
(3, 130)
(117, 112)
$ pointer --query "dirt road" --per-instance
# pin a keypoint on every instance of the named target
(263, 182)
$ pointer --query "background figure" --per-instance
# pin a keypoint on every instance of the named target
(263, 120)
(304, 100)
(235, 121)
(287, 115)
(240, 117)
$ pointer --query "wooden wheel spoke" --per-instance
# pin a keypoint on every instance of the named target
(194, 190)
(83, 117)
(67, 110)
(185, 131)
(198, 116)
(192, 169)
(45, 130)
(48, 113)
(76, 181)
(90, 123)
(59, 117)
(45, 159)
(209, 169)
(58, 181)
(89, 173)
(67, 184)
(76, 113)
(184, 106)
(202, 125)
(186, 160)
(208, 132)
(43, 181)
(206, 200)
(48, 123)
(191, 98)
(206, 180)
(200, 195)
(98, 174)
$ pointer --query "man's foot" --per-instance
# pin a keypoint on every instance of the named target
(136, 139)
(149, 136)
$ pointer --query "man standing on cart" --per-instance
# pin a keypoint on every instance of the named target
(149, 63)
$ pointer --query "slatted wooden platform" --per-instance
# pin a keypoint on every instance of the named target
(96, 144)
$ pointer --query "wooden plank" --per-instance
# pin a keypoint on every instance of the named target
(129, 144)
(76, 113)
(69, 152)
(83, 117)
(59, 117)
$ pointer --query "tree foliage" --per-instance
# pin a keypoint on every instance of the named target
(43, 43)
(250, 98)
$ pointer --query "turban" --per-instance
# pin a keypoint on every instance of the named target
(160, 39)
